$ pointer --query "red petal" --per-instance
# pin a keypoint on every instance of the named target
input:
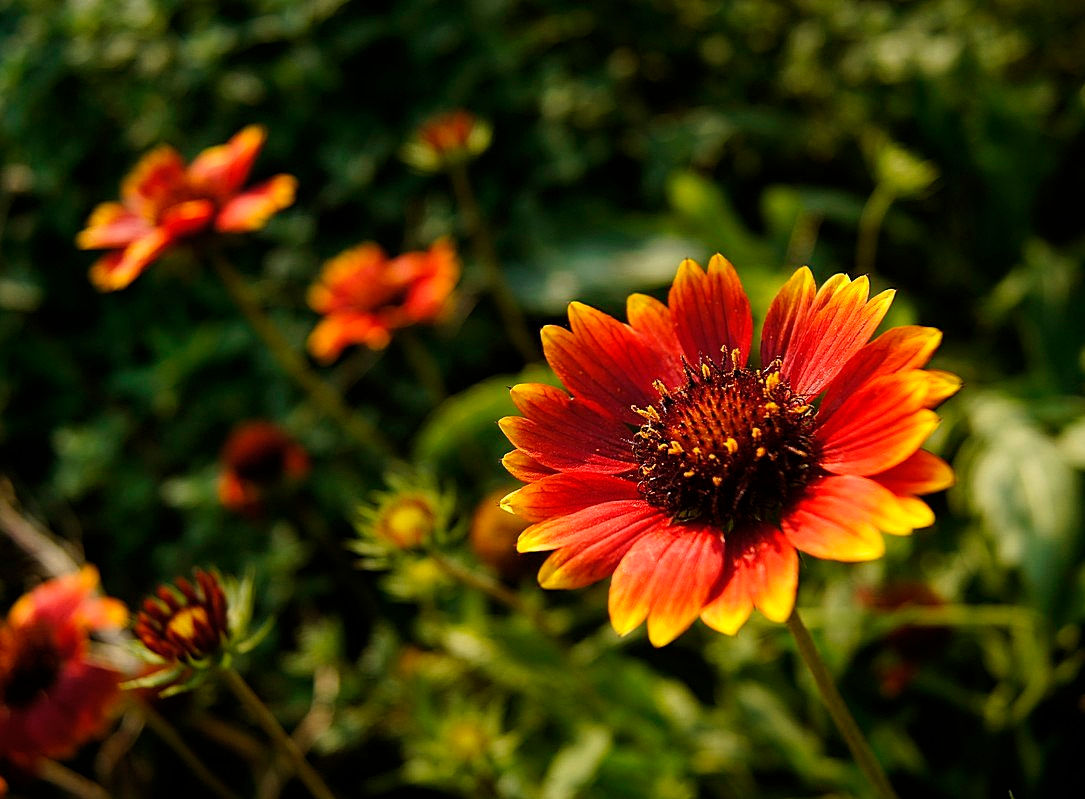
(897, 350)
(840, 321)
(187, 218)
(221, 170)
(111, 225)
(158, 178)
(119, 268)
(654, 321)
(251, 210)
(711, 311)
(605, 361)
(581, 565)
(565, 493)
(786, 315)
(922, 473)
(841, 516)
(338, 330)
(523, 467)
(587, 525)
(940, 386)
(762, 569)
(878, 426)
(565, 433)
(666, 577)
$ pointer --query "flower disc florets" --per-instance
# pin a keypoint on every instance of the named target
(185, 622)
(732, 447)
(30, 663)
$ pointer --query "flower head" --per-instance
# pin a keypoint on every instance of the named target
(186, 621)
(364, 295)
(409, 515)
(446, 139)
(694, 477)
(257, 458)
(54, 694)
(493, 538)
(163, 201)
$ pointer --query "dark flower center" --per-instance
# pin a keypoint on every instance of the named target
(263, 465)
(732, 447)
(30, 665)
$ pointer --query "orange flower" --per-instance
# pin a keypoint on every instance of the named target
(445, 139)
(493, 538)
(364, 295)
(53, 695)
(693, 477)
(163, 201)
(257, 458)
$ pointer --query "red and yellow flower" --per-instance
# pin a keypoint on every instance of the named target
(364, 295)
(257, 458)
(693, 477)
(447, 139)
(54, 694)
(163, 202)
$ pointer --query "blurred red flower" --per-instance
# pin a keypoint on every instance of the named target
(163, 201)
(257, 458)
(445, 139)
(54, 696)
(364, 295)
(695, 478)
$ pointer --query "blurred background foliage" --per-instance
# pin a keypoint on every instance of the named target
(938, 145)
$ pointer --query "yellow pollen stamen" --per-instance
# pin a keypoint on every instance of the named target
(800, 409)
(755, 433)
(759, 452)
(771, 407)
(705, 370)
(717, 481)
(183, 624)
(690, 473)
(731, 444)
(675, 449)
(772, 381)
(662, 389)
(697, 451)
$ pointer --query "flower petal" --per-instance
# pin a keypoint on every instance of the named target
(587, 525)
(666, 577)
(565, 493)
(786, 315)
(111, 225)
(584, 564)
(921, 473)
(251, 209)
(762, 569)
(654, 321)
(566, 433)
(220, 170)
(878, 426)
(119, 268)
(184, 219)
(841, 516)
(523, 467)
(897, 350)
(156, 179)
(839, 322)
(941, 386)
(338, 330)
(711, 311)
(604, 361)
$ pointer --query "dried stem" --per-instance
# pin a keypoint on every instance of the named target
(322, 393)
(266, 719)
(172, 738)
(834, 703)
(33, 539)
(67, 780)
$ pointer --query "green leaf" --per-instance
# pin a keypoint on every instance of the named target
(576, 764)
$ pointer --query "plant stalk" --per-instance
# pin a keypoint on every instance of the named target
(172, 738)
(266, 719)
(322, 393)
(834, 703)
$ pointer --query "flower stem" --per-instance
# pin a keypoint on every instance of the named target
(492, 589)
(424, 366)
(172, 738)
(486, 253)
(306, 773)
(834, 703)
(319, 390)
(69, 781)
(870, 225)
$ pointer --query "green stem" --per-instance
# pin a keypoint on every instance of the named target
(870, 225)
(322, 393)
(69, 781)
(834, 703)
(306, 773)
(168, 733)
(492, 589)
(424, 366)
(486, 253)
